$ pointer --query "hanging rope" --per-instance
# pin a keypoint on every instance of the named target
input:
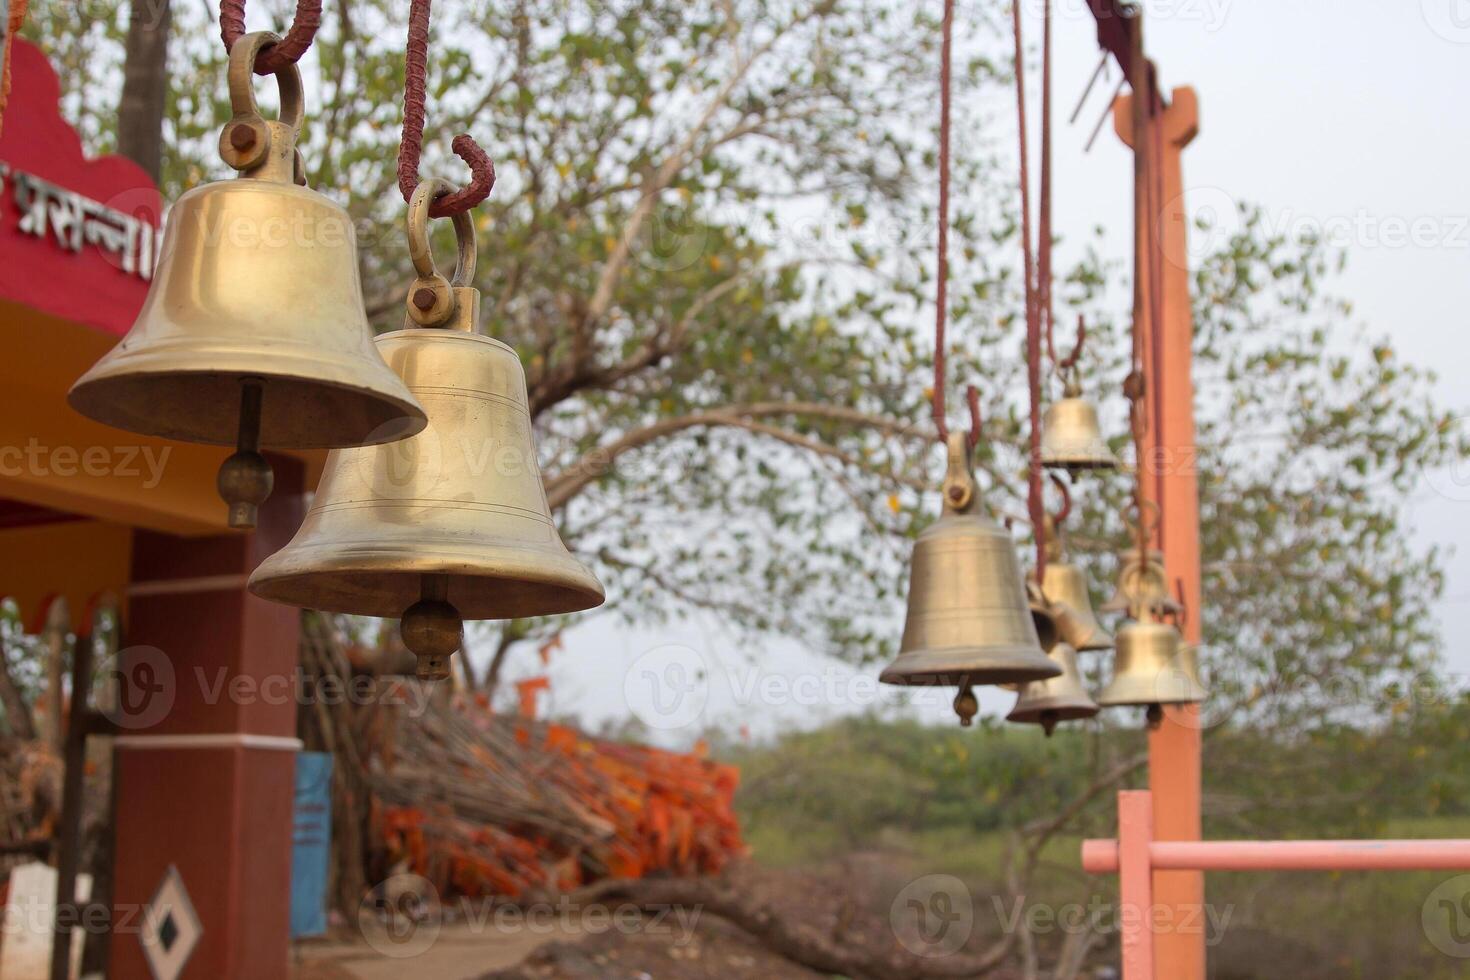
(941, 297)
(1043, 232)
(482, 170)
(1136, 385)
(290, 48)
(1035, 506)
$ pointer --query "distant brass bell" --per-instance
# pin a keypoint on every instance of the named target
(968, 617)
(253, 333)
(1064, 698)
(453, 522)
(1066, 586)
(1141, 582)
(1071, 437)
(1153, 666)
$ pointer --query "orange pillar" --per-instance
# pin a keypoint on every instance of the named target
(1170, 479)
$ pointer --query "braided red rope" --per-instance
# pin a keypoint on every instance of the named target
(482, 170)
(289, 49)
(941, 298)
(1034, 504)
(1043, 232)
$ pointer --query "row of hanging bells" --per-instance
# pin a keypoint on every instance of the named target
(253, 333)
(974, 619)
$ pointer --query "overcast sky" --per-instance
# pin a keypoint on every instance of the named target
(1353, 115)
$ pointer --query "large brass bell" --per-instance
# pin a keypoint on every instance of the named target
(969, 621)
(253, 332)
(453, 522)
(1063, 698)
(1153, 666)
(1071, 437)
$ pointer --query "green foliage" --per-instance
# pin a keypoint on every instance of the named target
(709, 209)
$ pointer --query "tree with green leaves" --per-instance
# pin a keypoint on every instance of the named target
(711, 244)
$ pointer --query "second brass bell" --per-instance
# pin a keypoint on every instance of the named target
(453, 522)
(969, 621)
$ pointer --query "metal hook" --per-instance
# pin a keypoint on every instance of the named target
(246, 141)
(431, 298)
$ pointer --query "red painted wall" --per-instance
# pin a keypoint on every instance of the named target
(88, 285)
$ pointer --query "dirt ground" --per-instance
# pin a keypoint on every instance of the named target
(617, 944)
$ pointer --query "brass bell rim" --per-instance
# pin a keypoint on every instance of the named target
(350, 577)
(1139, 694)
(329, 411)
(970, 665)
(1080, 462)
(1062, 709)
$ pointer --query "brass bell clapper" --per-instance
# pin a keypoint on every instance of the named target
(452, 523)
(969, 620)
(253, 333)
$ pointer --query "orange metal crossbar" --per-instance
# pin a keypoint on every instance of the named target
(1135, 856)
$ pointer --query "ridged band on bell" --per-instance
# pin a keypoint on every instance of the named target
(1152, 666)
(1063, 698)
(1071, 437)
(256, 294)
(969, 620)
(1065, 585)
(463, 500)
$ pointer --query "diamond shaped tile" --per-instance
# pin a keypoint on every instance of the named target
(171, 927)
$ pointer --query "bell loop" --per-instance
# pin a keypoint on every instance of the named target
(433, 300)
(959, 477)
(249, 143)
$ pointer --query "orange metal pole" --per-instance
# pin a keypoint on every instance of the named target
(1169, 470)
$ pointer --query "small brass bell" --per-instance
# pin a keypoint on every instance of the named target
(1071, 437)
(1153, 666)
(1064, 698)
(969, 621)
(253, 332)
(453, 522)
(1065, 588)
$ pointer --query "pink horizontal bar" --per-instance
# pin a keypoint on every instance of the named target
(1101, 856)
